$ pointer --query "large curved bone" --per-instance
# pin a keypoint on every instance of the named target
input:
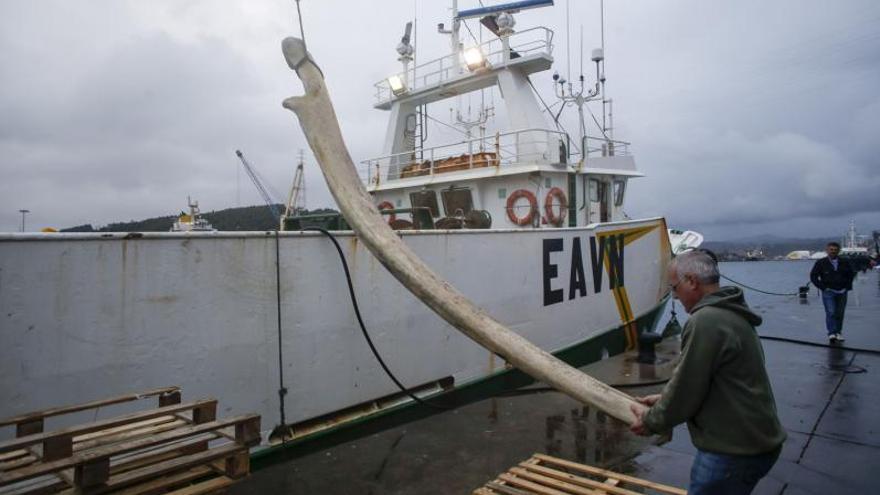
(319, 123)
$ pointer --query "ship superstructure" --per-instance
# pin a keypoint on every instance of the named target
(531, 175)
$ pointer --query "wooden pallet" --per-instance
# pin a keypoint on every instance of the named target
(179, 448)
(546, 475)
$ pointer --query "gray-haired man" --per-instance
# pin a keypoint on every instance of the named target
(720, 387)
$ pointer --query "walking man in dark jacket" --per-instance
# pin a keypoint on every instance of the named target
(720, 387)
(834, 277)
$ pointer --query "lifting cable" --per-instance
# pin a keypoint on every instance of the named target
(302, 33)
(360, 320)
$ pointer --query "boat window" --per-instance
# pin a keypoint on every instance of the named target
(457, 201)
(619, 189)
(594, 190)
(425, 199)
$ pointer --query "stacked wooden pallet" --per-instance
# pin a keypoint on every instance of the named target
(179, 448)
(546, 475)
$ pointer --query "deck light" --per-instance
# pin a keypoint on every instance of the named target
(474, 59)
(398, 87)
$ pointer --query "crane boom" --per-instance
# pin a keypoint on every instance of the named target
(262, 189)
(296, 200)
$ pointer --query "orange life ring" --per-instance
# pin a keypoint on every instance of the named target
(552, 218)
(511, 204)
(387, 205)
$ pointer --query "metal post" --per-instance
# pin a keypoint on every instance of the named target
(23, 213)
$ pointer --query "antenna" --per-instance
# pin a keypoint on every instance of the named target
(602, 63)
(568, 37)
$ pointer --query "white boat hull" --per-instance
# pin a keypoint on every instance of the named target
(87, 316)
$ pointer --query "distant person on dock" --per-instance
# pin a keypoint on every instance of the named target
(720, 387)
(834, 277)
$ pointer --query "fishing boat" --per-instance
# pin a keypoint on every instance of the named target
(527, 222)
(192, 221)
(855, 249)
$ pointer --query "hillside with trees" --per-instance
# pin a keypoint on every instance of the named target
(235, 219)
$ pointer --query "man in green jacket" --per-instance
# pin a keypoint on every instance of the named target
(720, 386)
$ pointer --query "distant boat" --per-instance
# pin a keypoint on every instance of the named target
(855, 249)
(756, 254)
(192, 221)
(798, 255)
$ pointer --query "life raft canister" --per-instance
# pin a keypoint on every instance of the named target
(386, 205)
(511, 205)
(553, 218)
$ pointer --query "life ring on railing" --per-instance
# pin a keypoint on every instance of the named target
(511, 205)
(387, 205)
(553, 218)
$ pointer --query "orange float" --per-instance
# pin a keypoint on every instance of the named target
(553, 218)
(511, 204)
(386, 205)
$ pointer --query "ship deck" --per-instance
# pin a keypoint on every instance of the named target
(827, 399)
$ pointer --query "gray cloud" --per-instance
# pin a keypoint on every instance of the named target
(747, 117)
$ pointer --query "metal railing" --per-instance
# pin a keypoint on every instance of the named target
(523, 43)
(497, 150)
(605, 147)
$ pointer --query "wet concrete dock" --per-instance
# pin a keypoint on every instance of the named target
(828, 400)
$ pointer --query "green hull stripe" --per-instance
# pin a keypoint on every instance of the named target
(580, 354)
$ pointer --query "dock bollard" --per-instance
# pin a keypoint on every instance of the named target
(803, 291)
(647, 342)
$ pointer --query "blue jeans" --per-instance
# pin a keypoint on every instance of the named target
(720, 474)
(835, 305)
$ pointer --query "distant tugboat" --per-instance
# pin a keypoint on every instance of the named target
(192, 222)
(855, 249)
(756, 254)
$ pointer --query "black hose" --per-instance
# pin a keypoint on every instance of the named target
(759, 290)
(360, 320)
(818, 344)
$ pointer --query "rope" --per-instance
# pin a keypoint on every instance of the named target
(759, 290)
(282, 390)
(302, 34)
(360, 320)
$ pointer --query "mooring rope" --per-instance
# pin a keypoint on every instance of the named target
(759, 290)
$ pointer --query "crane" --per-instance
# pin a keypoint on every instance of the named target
(262, 189)
(296, 200)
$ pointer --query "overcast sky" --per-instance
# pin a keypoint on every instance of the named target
(748, 117)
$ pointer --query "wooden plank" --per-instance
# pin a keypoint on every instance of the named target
(573, 479)
(609, 481)
(204, 487)
(128, 435)
(15, 454)
(44, 486)
(19, 463)
(86, 437)
(56, 411)
(562, 485)
(610, 474)
(154, 455)
(523, 483)
(505, 489)
(164, 483)
(160, 469)
(110, 450)
(18, 443)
